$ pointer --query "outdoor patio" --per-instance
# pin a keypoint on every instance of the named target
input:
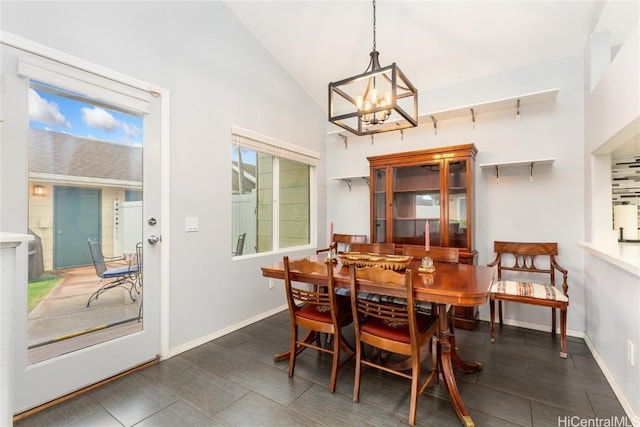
(62, 322)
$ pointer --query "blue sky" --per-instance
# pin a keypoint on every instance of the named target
(61, 114)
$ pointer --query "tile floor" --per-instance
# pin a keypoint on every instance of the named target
(233, 381)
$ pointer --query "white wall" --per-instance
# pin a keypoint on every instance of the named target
(547, 209)
(218, 76)
(612, 111)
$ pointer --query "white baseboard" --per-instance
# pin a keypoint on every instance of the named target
(205, 339)
(635, 418)
(628, 409)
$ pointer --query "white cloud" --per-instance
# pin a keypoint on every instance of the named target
(42, 111)
(131, 131)
(99, 118)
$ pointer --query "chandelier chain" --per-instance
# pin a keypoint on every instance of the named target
(374, 24)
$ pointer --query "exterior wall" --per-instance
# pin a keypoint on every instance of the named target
(41, 219)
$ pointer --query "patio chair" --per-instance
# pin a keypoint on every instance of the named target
(124, 276)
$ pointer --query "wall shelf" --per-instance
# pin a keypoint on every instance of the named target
(349, 179)
(474, 110)
(516, 164)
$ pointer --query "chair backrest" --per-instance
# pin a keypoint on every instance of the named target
(525, 257)
(342, 242)
(374, 248)
(437, 253)
(240, 244)
(96, 254)
(139, 257)
(376, 281)
(296, 291)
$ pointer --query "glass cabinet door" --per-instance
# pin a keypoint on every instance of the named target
(416, 201)
(458, 204)
(379, 186)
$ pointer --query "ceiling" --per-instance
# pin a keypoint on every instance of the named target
(435, 43)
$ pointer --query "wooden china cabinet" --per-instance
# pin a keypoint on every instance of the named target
(435, 185)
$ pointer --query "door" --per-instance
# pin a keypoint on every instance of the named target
(76, 217)
(43, 381)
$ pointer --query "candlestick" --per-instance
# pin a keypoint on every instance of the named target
(331, 233)
(426, 235)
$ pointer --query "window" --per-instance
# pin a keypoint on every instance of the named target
(272, 190)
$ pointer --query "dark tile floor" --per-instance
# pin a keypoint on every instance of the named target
(233, 381)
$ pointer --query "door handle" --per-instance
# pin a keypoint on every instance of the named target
(153, 239)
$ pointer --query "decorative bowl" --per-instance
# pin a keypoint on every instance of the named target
(364, 259)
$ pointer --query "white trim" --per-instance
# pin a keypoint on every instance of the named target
(273, 146)
(635, 418)
(43, 51)
(85, 181)
(222, 332)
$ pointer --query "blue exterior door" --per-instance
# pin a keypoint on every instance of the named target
(76, 217)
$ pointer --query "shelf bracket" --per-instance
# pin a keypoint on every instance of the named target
(366, 179)
(348, 182)
(435, 125)
(473, 117)
(518, 111)
(498, 174)
(531, 172)
(401, 134)
(372, 139)
(344, 138)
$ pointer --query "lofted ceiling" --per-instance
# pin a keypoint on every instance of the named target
(435, 43)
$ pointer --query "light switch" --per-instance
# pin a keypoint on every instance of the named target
(190, 224)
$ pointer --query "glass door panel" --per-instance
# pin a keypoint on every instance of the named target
(416, 200)
(379, 186)
(458, 204)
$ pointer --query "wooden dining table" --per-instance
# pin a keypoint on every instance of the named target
(450, 285)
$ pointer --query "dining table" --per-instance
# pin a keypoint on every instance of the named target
(448, 286)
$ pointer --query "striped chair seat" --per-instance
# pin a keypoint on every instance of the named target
(528, 289)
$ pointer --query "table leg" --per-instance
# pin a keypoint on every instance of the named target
(466, 367)
(445, 356)
(309, 337)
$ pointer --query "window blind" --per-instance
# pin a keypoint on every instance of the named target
(275, 147)
(85, 83)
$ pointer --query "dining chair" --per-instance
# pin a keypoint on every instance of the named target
(374, 248)
(389, 327)
(437, 253)
(317, 309)
(527, 274)
(124, 276)
(343, 242)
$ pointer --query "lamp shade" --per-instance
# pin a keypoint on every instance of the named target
(38, 190)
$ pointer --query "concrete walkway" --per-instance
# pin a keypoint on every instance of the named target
(63, 314)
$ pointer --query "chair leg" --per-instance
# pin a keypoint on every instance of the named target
(553, 321)
(492, 309)
(335, 361)
(563, 333)
(357, 376)
(292, 355)
(434, 361)
(415, 383)
(500, 311)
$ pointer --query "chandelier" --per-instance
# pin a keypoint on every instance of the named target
(381, 99)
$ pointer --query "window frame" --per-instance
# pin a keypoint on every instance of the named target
(243, 138)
